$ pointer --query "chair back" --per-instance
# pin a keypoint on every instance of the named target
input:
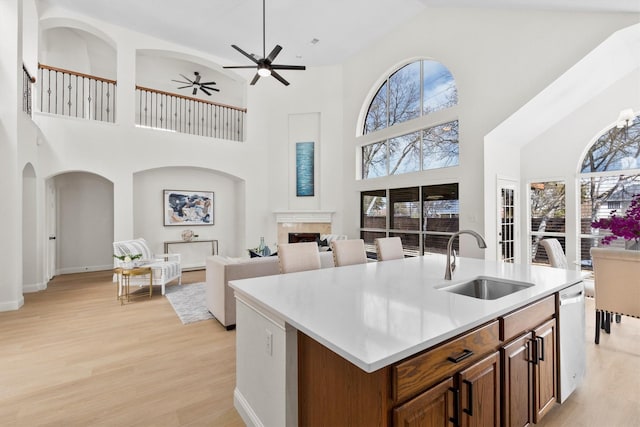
(294, 257)
(556, 255)
(388, 248)
(617, 280)
(348, 252)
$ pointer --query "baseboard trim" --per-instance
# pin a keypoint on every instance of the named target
(33, 287)
(12, 305)
(85, 269)
(244, 409)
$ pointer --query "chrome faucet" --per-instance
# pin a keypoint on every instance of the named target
(451, 265)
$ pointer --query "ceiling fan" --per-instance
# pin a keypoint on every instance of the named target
(195, 83)
(265, 65)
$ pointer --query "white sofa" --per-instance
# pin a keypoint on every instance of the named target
(165, 267)
(220, 270)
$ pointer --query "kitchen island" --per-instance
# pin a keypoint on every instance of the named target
(361, 323)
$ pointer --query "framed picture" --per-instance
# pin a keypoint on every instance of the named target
(305, 152)
(188, 207)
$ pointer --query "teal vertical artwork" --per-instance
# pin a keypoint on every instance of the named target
(304, 169)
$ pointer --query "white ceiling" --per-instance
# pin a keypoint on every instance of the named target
(343, 27)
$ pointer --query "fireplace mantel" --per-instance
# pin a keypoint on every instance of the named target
(304, 216)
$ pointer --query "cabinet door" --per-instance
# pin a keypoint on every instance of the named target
(517, 382)
(479, 387)
(545, 378)
(434, 407)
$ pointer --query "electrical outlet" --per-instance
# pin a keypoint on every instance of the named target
(269, 342)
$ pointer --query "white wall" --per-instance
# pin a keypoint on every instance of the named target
(148, 210)
(84, 223)
(499, 58)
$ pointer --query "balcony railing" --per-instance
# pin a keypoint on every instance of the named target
(178, 113)
(74, 94)
(27, 81)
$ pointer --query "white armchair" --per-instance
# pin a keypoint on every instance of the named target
(165, 267)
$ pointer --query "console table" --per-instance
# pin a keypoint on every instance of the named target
(193, 253)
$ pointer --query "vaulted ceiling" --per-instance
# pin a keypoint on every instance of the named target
(340, 27)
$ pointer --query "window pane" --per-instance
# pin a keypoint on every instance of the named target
(440, 145)
(374, 209)
(596, 195)
(441, 208)
(404, 94)
(374, 160)
(369, 238)
(617, 149)
(377, 114)
(437, 244)
(548, 207)
(410, 243)
(406, 208)
(404, 154)
(440, 90)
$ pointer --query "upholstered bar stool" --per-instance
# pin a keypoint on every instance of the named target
(294, 257)
(348, 252)
(388, 248)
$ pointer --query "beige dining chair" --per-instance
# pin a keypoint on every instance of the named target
(558, 259)
(293, 257)
(617, 285)
(388, 248)
(348, 252)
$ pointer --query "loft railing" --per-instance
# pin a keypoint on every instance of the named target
(178, 113)
(74, 94)
(27, 81)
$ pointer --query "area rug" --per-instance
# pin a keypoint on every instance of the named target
(188, 301)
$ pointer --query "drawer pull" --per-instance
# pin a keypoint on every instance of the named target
(465, 354)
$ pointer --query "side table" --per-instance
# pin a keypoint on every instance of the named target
(124, 276)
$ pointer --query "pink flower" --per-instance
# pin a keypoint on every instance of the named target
(626, 226)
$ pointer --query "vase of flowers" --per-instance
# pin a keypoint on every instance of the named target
(129, 261)
(626, 226)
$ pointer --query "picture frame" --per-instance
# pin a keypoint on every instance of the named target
(187, 207)
(305, 169)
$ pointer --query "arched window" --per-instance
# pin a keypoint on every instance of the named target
(610, 178)
(413, 91)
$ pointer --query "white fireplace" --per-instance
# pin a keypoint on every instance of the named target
(302, 222)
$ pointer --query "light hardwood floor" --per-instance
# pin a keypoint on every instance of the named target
(72, 356)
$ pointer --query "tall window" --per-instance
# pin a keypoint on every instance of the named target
(415, 90)
(610, 177)
(423, 217)
(547, 217)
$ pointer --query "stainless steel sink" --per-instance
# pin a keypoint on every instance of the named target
(487, 288)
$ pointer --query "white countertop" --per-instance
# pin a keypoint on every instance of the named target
(375, 314)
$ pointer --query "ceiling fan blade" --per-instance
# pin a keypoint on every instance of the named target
(207, 83)
(279, 77)
(209, 88)
(240, 66)
(255, 79)
(182, 87)
(187, 78)
(205, 91)
(276, 50)
(180, 81)
(195, 90)
(288, 67)
(244, 53)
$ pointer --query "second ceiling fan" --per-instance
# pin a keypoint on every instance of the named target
(265, 66)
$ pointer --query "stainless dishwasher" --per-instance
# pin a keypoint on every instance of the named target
(572, 339)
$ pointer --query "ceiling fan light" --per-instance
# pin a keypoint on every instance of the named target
(264, 72)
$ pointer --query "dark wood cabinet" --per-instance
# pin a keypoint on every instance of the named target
(530, 376)
(479, 388)
(434, 407)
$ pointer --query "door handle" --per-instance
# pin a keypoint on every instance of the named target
(469, 409)
(541, 348)
(52, 237)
